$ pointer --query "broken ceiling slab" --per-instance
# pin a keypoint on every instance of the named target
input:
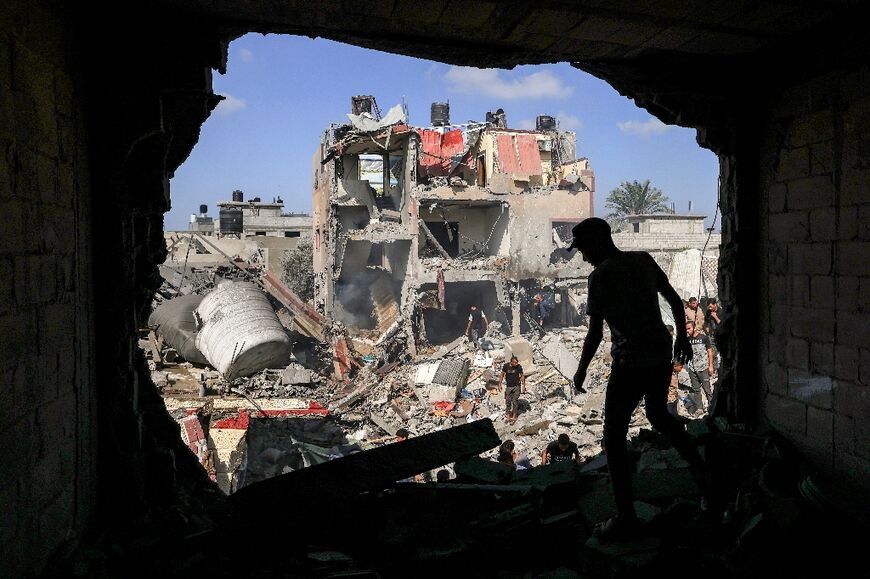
(365, 123)
(447, 195)
(560, 356)
(370, 470)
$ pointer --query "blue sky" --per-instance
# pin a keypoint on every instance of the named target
(282, 91)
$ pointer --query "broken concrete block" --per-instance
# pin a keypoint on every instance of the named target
(440, 393)
(424, 373)
(479, 470)
(452, 373)
(297, 374)
(521, 348)
(561, 357)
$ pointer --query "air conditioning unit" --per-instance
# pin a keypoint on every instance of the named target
(545, 145)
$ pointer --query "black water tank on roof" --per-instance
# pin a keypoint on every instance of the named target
(440, 114)
(230, 220)
(545, 123)
(238, 196)
(203, 209)
(255, 200)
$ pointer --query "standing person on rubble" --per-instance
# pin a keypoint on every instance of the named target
(512, 375)
(623, 291)
(477, 324)
(541, 309)
(700, 365)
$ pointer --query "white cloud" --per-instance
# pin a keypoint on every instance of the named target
(644, 129)
(431, 71)
(230, 104)
(490, 82)
(246, 55)
(569, 122)
(526, 125)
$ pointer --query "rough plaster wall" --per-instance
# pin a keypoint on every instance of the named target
(47, 390)
(816, 342)
(531, 234)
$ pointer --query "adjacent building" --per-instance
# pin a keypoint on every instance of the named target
(253, 218)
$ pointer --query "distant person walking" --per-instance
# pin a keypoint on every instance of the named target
(477, 324)
(700, 365)
(512, 375)
(623, 291)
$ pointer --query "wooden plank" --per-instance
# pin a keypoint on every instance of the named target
(306, 318)
(155, 349)
(370, 470)
(434, 241)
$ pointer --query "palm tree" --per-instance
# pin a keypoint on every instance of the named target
(634, 198)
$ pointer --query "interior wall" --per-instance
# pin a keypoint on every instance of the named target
(815, 352)
(477, 225)
(47, 388)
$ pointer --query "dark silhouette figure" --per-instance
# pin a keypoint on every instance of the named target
(623, 290)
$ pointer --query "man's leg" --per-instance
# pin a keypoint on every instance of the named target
(695, 395)
(704, 380)
(515, 401)
(656, 403)
(621, 398)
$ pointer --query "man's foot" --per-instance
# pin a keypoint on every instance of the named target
(618, 529)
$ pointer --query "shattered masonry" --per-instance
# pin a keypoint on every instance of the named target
(413, 225)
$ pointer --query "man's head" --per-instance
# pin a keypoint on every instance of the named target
(678, 366)
(473, 307)
(690, 327)
(505, 457)
(402, 434)
(592, 238)
(712, 305)
(693, 303)
(514, 361)
(564, 440)
(539, 298)
(507, 445)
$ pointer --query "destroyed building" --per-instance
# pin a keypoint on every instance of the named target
(96, 119)
(419, 223)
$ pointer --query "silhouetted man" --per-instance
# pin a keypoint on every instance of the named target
(623, 290)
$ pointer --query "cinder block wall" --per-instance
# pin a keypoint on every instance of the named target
(815, 342)
(47, 392)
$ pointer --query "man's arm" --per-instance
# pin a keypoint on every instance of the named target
(544, 456)
(709, 356)
(682, 349)
(522, 382)
(590, 346)
(485, 321)
(468, 327)
(501, 380)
